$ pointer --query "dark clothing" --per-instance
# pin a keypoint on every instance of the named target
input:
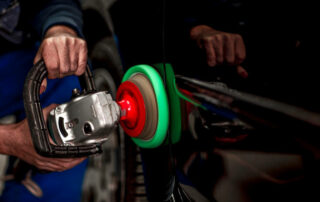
(138, 27)
(23, 22)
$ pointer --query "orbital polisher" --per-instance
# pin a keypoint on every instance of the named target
(79, 127)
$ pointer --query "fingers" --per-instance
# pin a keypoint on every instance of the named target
(74, 58)
(72, 55)
(219, 49)
(57, 165)
(218, 44)
(82, 60)
(43, 86)
(223, 48)
(46, 165)
(21, 146)
(210, 53)
(240, 49)
(242, 72)
(38, 55)
(63, 164)
(213, 46)
(47, 110)
(63, 45)
(63, 55)
(229, 52)
(50, 54)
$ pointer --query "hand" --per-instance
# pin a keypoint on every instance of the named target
(220, 47)
(63, 52)
(19, 144)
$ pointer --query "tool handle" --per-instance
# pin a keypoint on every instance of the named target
(37, 125)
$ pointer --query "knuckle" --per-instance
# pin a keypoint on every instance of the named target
(218, 38)
(71, 40)
(82, 42)
(208, 38)
(47, 41)
(62, 39)
(238, 36)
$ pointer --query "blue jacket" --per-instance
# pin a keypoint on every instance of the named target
(23, 21)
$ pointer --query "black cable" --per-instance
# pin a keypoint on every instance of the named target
(164, 60)
(177, 194)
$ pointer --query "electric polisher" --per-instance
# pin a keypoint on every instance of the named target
(79, 127)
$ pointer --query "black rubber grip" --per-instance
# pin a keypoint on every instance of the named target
(37, 125)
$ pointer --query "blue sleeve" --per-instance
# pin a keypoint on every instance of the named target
(59, 12)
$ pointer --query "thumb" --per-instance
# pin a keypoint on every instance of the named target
(47, 110)
(43, 86)
(38, 55)
(242, 72)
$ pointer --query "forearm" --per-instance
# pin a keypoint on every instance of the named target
(6, 137)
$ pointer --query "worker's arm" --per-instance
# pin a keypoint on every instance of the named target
(15, 140)
(59, 24)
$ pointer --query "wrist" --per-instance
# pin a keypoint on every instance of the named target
(60, 30)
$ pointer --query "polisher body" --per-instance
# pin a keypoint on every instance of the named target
(86, 119)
